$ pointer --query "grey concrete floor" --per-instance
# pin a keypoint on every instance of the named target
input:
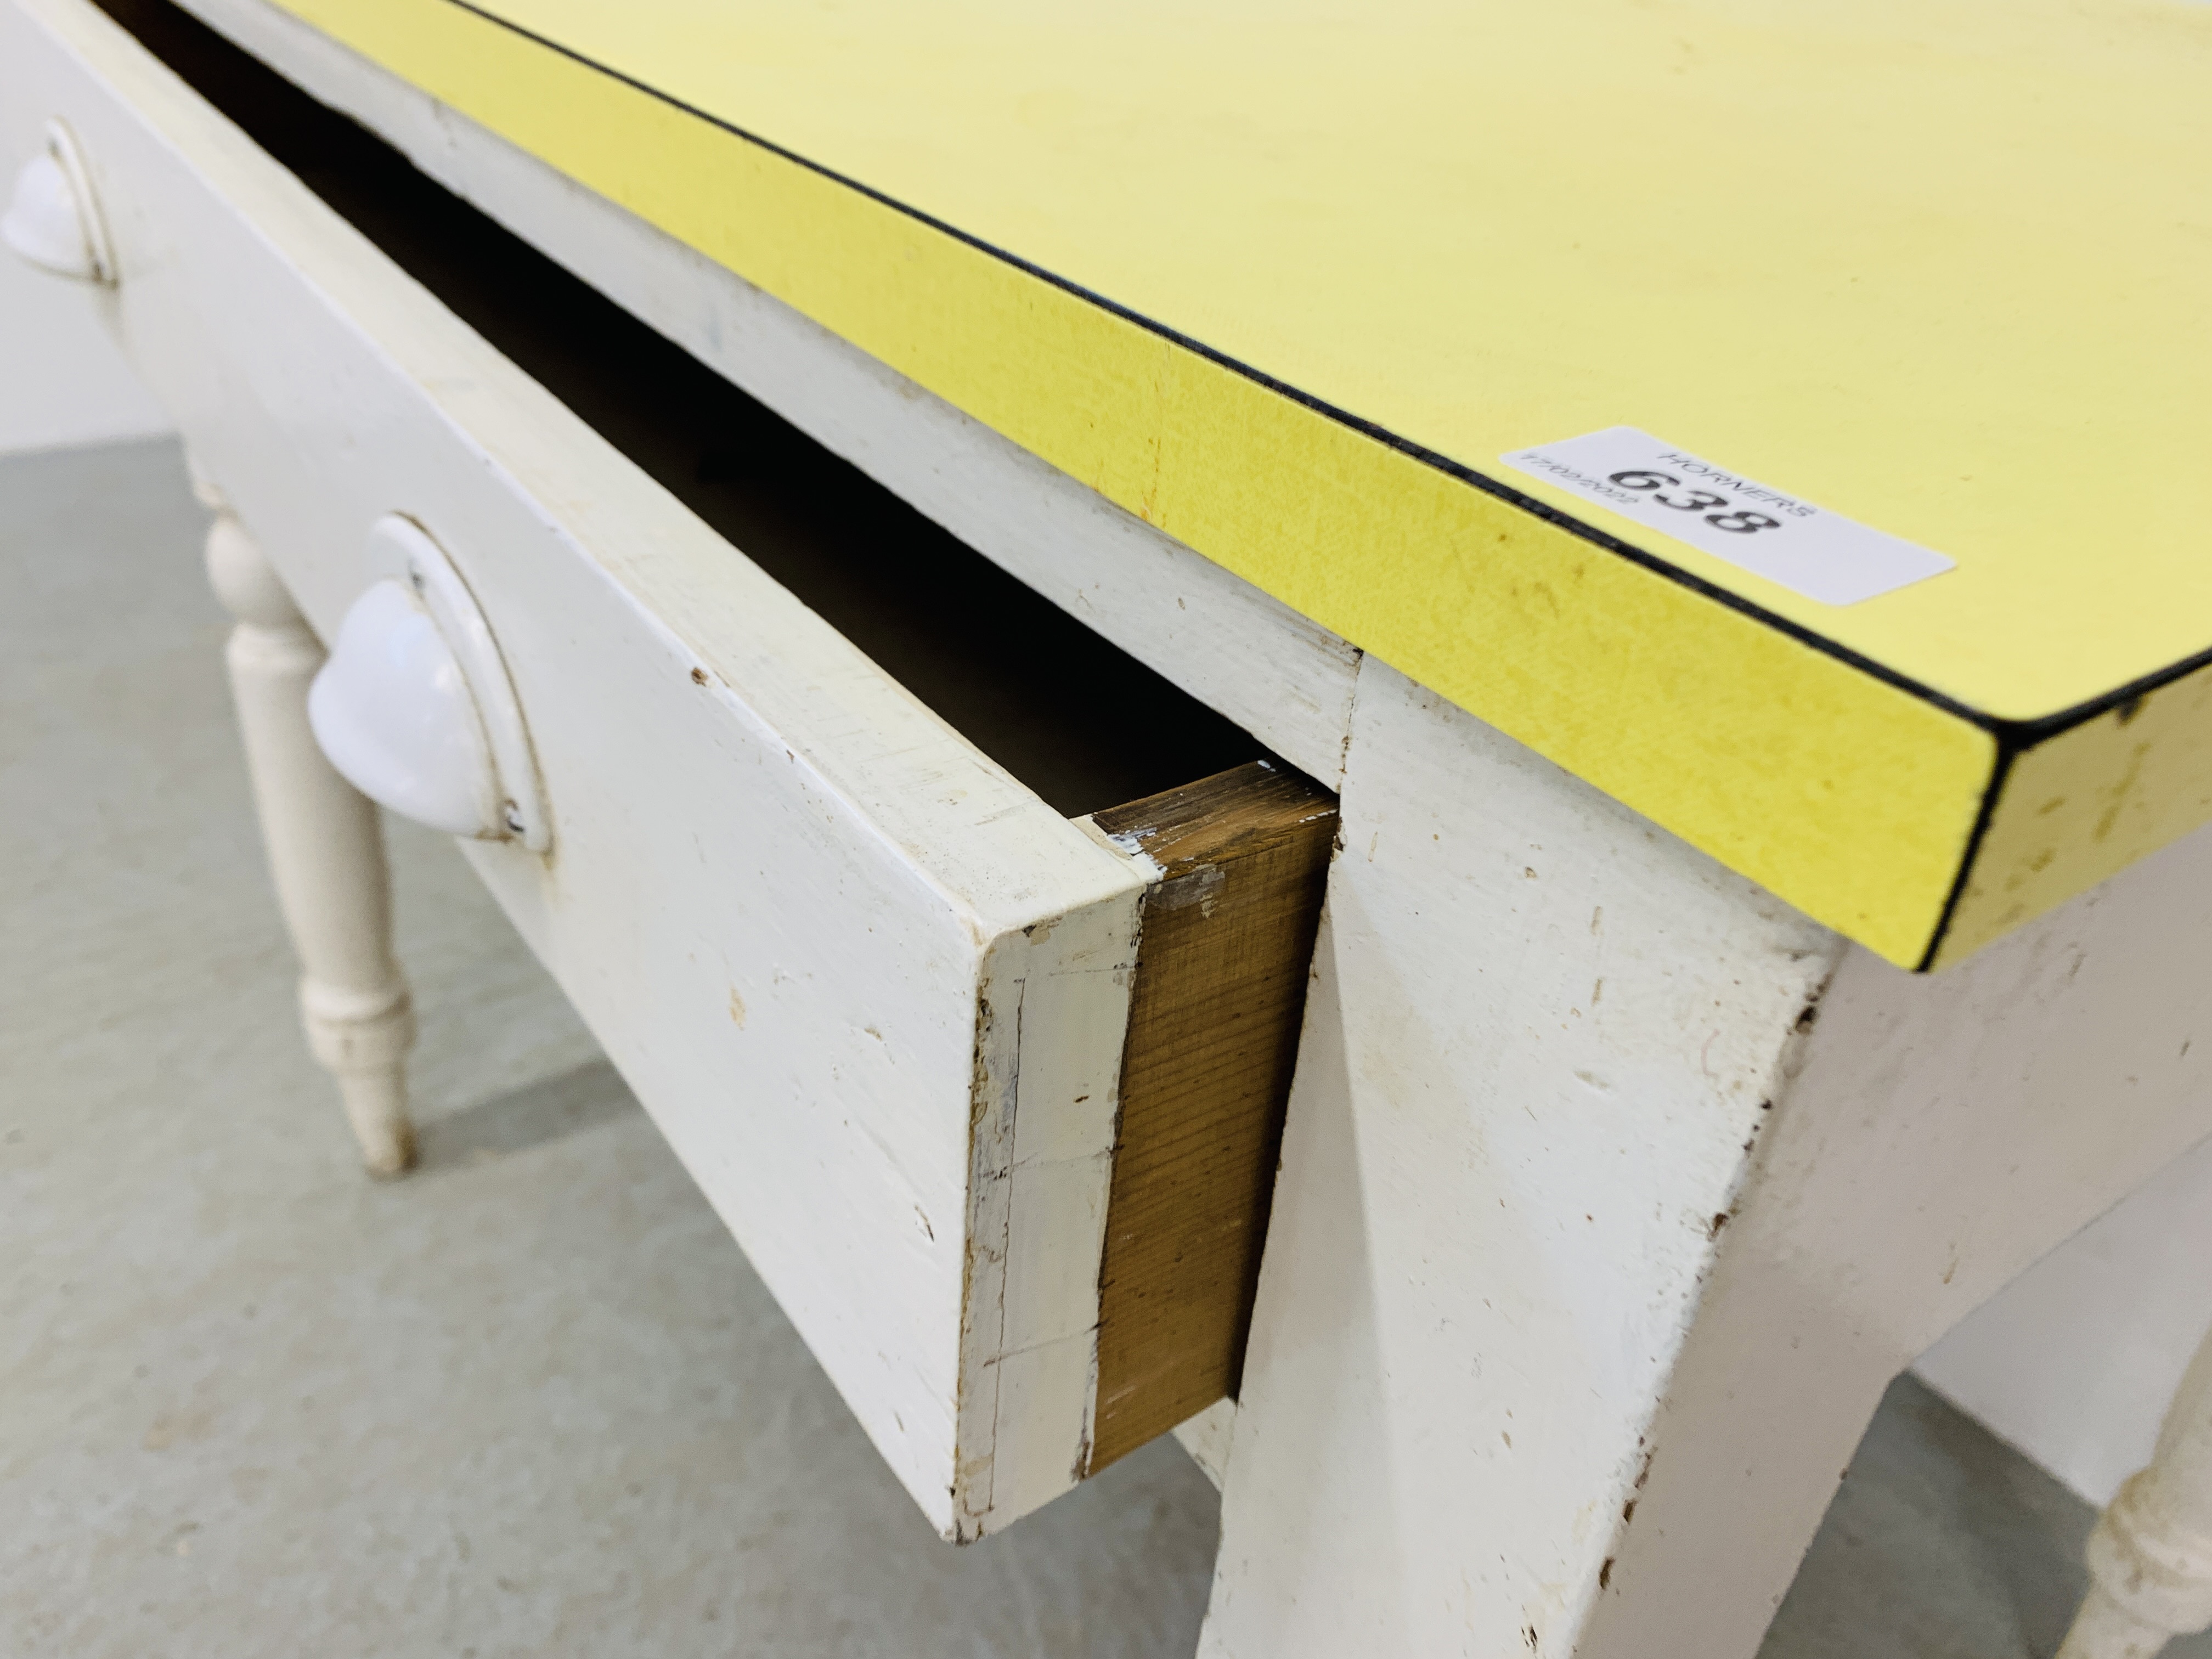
(1943, 1543)
(531, 1400)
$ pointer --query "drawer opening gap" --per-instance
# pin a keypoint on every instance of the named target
(1242, 841)
(1077, 720)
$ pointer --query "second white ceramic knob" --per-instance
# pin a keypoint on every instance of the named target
(52, 220)
(415, 709)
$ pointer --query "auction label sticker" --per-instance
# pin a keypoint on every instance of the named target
(1807, 549)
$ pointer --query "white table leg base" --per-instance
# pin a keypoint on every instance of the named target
(325, 848)
(2150, 1558)
(362, 1040)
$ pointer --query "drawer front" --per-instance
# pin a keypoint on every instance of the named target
(991, 1098)
(830, 943)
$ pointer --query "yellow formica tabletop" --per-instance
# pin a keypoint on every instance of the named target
(1794, 419)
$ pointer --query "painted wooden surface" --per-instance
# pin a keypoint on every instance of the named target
(326, 852)
(2076, 1362)
(1942, 1135)
(1215, 283)
(1540, 1032)
(66, 386)
(1281, 677)
(2089, 1422)
(1076, 720)
(1228, 933)
(828, 1002)
(1614, 1188)
(1613, 1193)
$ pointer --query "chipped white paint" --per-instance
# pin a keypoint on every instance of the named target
(1058, 998)
(865, 981)
(1129, 847)
(2150, 1558)
(1538, 1033)
(1280, 676)
(1563, 1335)
(1592, 1251)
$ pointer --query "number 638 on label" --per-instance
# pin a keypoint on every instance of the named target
(1730, 518)
(1686, 498)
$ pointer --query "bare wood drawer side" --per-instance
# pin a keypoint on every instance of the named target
(1222, 968)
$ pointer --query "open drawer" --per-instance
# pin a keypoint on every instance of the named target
(984, 1070)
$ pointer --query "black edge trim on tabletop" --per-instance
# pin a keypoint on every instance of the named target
(1367, 429)
(2028, 731)
(2012, 736)
(1999, 770)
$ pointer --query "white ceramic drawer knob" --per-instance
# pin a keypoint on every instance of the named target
(414, 708)
(51, 219)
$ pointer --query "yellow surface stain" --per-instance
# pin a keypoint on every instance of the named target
(2084, 804)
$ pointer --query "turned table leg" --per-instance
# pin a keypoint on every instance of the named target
(2150, 1558)
(326, 852)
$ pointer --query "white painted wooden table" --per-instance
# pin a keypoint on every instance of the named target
(1614, 1190)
